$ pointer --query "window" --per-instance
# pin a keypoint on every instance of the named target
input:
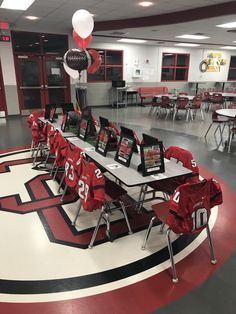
(232, 69)
(175, 67)
(111, 67)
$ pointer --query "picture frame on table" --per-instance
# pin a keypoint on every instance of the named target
(52, 114)
(152, 158)
(103, 139)
(125, 150)
(64, 121)
(83, 129)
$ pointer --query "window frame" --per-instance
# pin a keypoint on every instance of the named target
(105, 65)
(231, 68)
(175, 67)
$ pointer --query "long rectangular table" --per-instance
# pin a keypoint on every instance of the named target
(129, 175)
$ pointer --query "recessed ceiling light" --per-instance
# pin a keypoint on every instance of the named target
(187, 45)
(16, 5)
(229, 47)
(130, 40)
(145, 3)
(227, 25)
(31, 17)
(192, 36)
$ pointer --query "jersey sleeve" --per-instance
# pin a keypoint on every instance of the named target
(216, 193)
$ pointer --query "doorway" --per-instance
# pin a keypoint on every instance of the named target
(40, 74)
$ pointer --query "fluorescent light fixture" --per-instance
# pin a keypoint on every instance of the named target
(130, 40)
(227, 25)
(31, 17)
(192, 37)
(16, 5)
(145, 3)
(229, 47)
(187, 45)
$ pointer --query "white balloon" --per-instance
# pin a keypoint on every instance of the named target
(73, 73)
(83, 23)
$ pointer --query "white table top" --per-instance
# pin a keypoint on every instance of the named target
(230, 113)
(224, 94)
(129, 176)
(173, 97)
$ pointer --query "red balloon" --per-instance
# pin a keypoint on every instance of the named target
(97, 61)
(81, 42)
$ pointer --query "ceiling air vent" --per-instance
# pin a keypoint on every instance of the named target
(231, 31)
(160, 42)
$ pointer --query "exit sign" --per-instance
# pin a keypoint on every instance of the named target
(5, 38)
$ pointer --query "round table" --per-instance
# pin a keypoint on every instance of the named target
(230, 113)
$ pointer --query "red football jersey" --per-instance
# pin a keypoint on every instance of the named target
(73, 154)
(185, 158)
(91, 186)
(60, 145)
(190, 206)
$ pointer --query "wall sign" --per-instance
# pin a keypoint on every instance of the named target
(5, 38)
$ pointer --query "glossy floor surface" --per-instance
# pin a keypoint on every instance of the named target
(40, 258)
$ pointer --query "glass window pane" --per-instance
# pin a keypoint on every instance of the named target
(56, 96)
(26, 42)
(32, 98)
(233, 62)
(113, 73)
(114, 57)
(55, 73)
(54, 43)
(232, 74)
(182, 60)
(97, 76)
(181, 74)
(168, 59)
(167, 74)
(30, 73)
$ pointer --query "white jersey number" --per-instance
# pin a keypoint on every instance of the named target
(199, 218)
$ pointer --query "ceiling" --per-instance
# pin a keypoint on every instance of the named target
(55, 17)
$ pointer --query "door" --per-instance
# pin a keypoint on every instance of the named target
(3, 107)
(41, 80)
(30, 82)
(56, 82)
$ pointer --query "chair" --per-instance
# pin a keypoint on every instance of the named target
(218, 120)
(232, 133)
(166, 105)
(182, 104)
(155, 104)
(196, 105)
(70, 176)
(216, 98)
(97, 193)
(206, 100)
(187, 212)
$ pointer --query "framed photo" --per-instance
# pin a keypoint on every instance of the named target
(52, 114)
(83, 129)
(152, 158)
(103, 141)
(64, 121)
(125, 150)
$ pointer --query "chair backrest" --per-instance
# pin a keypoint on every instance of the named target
(185, 158)
(214, 109)
(197, 102)
(190, 206)
(232, 106)
(217, 97)
(182, 102)
(165, 101)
